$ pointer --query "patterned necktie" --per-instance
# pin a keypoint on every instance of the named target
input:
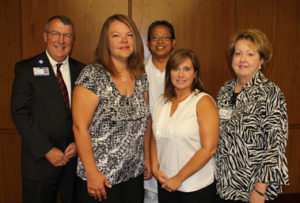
(62, 86)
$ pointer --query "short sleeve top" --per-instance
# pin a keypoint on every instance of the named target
(118, 126)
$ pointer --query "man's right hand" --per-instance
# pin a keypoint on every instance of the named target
(56, 157)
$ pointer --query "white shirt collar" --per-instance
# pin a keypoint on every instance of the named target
(53, 62)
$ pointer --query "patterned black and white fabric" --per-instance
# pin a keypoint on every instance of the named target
(118, 127)
(252, 143)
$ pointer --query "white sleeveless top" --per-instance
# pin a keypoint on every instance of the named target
(178, 139)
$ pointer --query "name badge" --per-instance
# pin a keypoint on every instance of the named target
(40, 71)
(225, 114)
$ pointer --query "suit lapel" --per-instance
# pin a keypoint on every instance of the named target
(74, 72)
(51, 81)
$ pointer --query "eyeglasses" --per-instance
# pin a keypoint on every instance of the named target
(163, 38)
(56, 34)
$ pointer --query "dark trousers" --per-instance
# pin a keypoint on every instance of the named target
(131, 191)
(204, 195)
(46, 191)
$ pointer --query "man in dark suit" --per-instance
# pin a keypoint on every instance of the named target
(41, 110)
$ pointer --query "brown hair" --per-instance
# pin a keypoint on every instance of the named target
(135, 61)
(263, 45)
(175, 60)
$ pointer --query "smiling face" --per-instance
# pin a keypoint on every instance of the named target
(58, 39)
(121, 41)
(182, 76)
(246, 61)
(161, 44)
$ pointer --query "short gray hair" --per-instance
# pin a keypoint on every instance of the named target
(64, 19)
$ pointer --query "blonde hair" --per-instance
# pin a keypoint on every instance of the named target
(135, 61)
(260, 40)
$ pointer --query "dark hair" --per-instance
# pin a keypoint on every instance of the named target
(161, 22)
(175, 60)
(135, 61)
(263, 45)
(64, 19)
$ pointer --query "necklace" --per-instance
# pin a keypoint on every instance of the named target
(123, 78)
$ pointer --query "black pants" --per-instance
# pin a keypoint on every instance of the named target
(204, 195)
(46, 191)
(131, 191)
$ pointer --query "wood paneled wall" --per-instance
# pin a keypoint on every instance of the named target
(10, 52)
(204, 26)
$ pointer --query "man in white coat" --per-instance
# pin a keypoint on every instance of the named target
(161, 42)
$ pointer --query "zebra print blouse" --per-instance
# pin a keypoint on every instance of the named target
(252, 142)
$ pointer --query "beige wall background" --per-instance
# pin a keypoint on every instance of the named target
(204, 26)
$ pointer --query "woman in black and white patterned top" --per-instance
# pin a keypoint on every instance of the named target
(111, 116)
(251, 161)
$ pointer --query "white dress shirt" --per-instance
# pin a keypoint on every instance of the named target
(156, 80)
(65, 71)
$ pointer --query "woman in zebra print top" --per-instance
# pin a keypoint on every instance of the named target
(251, 161)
